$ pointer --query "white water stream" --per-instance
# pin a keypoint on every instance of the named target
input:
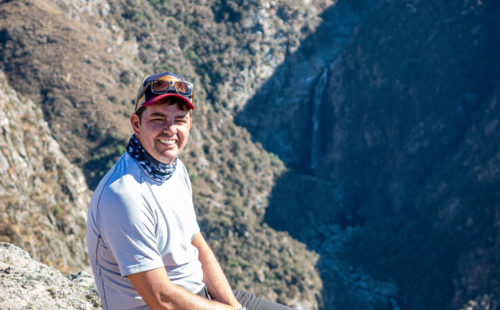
(394, 304)
(318, 96)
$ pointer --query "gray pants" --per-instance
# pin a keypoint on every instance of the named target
(250, 301)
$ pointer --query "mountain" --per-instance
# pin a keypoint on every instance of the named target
(80, 63)
(425, 144)
(344, 154)
(393, 144)
(43, 195)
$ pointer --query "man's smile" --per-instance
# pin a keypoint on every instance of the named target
(167, 141)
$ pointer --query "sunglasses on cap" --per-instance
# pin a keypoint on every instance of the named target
(158, 86)
(162, 86)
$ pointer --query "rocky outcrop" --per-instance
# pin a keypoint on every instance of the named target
(43, 197)
(28, 284)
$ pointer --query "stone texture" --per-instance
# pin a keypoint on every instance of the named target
(28, 284)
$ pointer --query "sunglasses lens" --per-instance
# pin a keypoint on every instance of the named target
(160, 86)
(184, 88)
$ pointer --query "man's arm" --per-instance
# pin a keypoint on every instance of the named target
(160, 293)
(213, 276)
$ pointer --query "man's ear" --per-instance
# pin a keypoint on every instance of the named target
(135, 121)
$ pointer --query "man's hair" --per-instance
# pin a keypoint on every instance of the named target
(170, 101)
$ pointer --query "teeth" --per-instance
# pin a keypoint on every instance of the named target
(167, 141)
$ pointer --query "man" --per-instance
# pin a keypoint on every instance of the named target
(144, 242)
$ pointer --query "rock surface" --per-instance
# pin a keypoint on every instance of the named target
(28, 284)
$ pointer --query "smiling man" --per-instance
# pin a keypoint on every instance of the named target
(144, 242)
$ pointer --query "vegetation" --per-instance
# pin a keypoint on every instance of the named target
(406, 181)
(82, 64)
(406, 188)
(418, 144)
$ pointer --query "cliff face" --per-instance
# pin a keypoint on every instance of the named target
(43, 196)
(405, 169)
(286, 104)
(413, 103)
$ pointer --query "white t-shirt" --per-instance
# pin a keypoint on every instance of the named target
(136, 224)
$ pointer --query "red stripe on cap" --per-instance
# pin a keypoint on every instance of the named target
(162, 96)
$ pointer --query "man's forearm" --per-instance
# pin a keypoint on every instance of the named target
(160, 293)
(179, 298)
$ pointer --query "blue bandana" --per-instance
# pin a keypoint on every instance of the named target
(158, 171)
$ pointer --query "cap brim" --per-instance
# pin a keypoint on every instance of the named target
(163, 96)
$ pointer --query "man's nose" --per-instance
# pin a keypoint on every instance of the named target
(169, 123)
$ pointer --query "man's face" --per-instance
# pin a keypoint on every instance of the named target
(163, 130)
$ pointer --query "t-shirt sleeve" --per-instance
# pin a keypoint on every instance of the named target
(128, 227)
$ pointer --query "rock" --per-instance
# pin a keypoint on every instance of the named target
(28, 284)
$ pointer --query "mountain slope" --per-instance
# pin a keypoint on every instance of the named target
(43, 196)
(81, 63)
(413, 101)
(404, 183)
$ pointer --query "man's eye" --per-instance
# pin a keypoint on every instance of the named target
(181, 119)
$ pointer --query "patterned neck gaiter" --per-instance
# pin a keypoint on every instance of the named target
(158, 171)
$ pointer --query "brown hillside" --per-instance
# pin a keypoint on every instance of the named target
(43, 197)
(81, 62)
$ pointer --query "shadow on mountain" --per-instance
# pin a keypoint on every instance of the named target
(289, 103)
(415, 130)
(285, 116)
(105, 155)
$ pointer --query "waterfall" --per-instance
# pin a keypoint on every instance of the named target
(318, 95)
(394, 304)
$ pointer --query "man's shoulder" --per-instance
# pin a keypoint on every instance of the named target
(123, 179)
(181, 168)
